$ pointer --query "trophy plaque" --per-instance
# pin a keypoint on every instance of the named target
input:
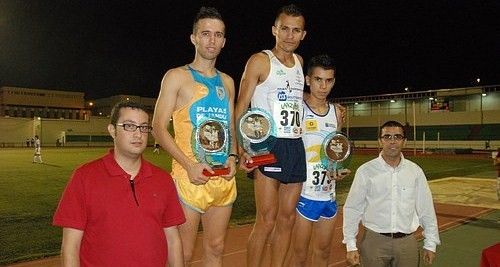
(336, 152)
(211, 141)
(257, 134)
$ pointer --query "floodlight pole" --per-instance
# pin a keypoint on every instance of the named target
(481, 108)
(414, 130)
(378, 123)
(41, 131)
(90, 136)
(438, 141)
(347, 119)
(406, 113)
(423, 143)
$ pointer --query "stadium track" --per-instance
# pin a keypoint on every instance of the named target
(449, 216)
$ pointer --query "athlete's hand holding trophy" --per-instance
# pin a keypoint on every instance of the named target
(335, 154)
(211, 145)
(256, 130)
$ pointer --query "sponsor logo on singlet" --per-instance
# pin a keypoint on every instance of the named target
(211, 112)
(282, 96)
(221, 93)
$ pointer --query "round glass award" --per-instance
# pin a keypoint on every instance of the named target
(211, 143)
(336, 152)
(257, 134)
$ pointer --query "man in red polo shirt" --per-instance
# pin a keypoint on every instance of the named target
(121, 210)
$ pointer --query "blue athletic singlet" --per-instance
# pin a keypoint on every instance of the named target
(202, 118)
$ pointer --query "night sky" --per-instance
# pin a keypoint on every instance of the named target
(105, 48)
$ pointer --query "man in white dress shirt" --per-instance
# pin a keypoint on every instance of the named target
(391, 198)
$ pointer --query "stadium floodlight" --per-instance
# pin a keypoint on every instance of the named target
(431, 98)
(407, 89)
(392, 100)
(483, 94)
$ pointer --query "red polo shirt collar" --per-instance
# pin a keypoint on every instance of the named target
(114, 169)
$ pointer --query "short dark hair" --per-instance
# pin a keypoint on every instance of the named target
(323, 61)
(393, 124)
(206, 13)
(290, 10)
(115, 112)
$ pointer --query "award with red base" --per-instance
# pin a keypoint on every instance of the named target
(218, 171)
(256, 130)
(262, 160)
(211, 145)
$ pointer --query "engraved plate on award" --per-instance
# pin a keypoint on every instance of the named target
(336, 152)
(211, 141)
(257, 136)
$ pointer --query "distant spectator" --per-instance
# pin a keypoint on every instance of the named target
(37, 157)
(27, 142)
(157, 149)
(32, 142)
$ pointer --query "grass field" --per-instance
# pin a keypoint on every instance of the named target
(30, 193)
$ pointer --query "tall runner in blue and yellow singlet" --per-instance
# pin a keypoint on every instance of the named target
(317, 206)
(273, 81)
(199, 100)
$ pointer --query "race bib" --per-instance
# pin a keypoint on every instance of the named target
(318, 179)
(287, 116)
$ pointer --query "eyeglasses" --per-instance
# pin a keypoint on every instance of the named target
(129, 127)
(397, 137)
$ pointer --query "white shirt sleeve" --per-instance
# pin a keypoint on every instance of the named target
(426, 213)
(353, 209)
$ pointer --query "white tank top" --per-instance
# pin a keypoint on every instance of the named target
(281, 95)
(318, 186)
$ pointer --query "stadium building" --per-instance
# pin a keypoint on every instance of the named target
(57, 117)
(435, 119)
(459, 118)
(103, 106)
(31, 103)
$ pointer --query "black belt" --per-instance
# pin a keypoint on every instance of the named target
(396, 235)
